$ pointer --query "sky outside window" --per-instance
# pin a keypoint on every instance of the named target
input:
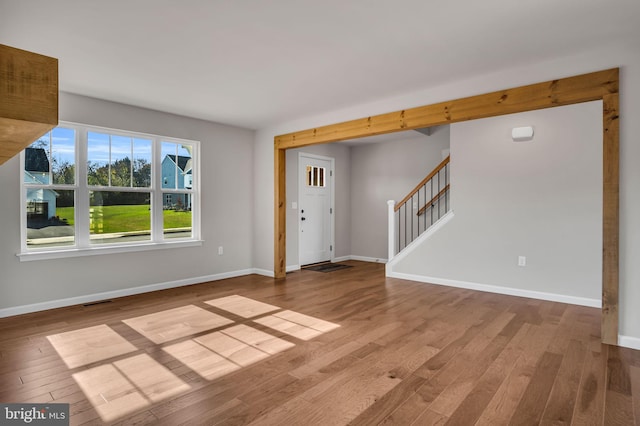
(118, 160)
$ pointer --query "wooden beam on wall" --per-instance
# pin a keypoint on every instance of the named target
(280, 248)
(601, 85)
(610, 218)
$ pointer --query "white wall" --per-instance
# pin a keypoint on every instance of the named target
(227, 205)
(342, 208)
(627, 57)
(541, 199)
(387, 171)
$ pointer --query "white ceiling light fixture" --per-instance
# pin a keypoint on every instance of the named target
(522, 134)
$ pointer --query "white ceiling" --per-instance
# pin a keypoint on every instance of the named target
(256, 63)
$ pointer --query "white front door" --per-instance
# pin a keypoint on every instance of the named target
(315, 208)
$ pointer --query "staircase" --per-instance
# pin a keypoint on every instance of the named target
(420, 209)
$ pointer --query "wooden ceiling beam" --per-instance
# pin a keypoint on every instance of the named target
(28, 99)
(566, 91)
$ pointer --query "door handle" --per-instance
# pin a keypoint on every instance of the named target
(302, 218)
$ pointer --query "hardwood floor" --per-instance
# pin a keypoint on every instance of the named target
(346, 347)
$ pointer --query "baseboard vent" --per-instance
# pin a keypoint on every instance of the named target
(99, 302)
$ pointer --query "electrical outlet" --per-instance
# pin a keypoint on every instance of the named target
(220, 251)
(522, 261)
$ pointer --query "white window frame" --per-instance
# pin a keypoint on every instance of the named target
(82, 246)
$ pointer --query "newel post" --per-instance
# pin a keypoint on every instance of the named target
(392, 229)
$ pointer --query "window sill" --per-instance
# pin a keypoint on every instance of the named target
(62, 253)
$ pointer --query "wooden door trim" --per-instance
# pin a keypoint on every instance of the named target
(601, 85)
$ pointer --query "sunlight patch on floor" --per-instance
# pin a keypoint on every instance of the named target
(287, 327)
(242, 306)
(88, 345)
(234, 350)
(128, 385)
(294, 324)
(201, 360)
(258, 339)
(125, 383)
(216, 354)
(307, 321)
(172, 324)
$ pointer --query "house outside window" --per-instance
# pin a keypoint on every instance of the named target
(133, 190)
(41, 202)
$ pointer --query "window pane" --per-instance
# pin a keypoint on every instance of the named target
(119, 217)
(98, 159)
(51, 159)
(121, 161)
(63, 156)
(141, 163)
(169, 165)
(316, 176)
(177, 166)
(50, 217)
(177, 215)
(36, 161)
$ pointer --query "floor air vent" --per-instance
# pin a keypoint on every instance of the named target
(99, 302)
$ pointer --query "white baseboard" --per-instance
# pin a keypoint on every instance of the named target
(553, 297)
(78, 300)
(368, 259)
(360, 258)
(263, 272)
(629, 342)
(268, 273)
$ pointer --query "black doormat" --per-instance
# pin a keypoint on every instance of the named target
(326, 267)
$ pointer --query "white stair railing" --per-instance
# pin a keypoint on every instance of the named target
(420, 209)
